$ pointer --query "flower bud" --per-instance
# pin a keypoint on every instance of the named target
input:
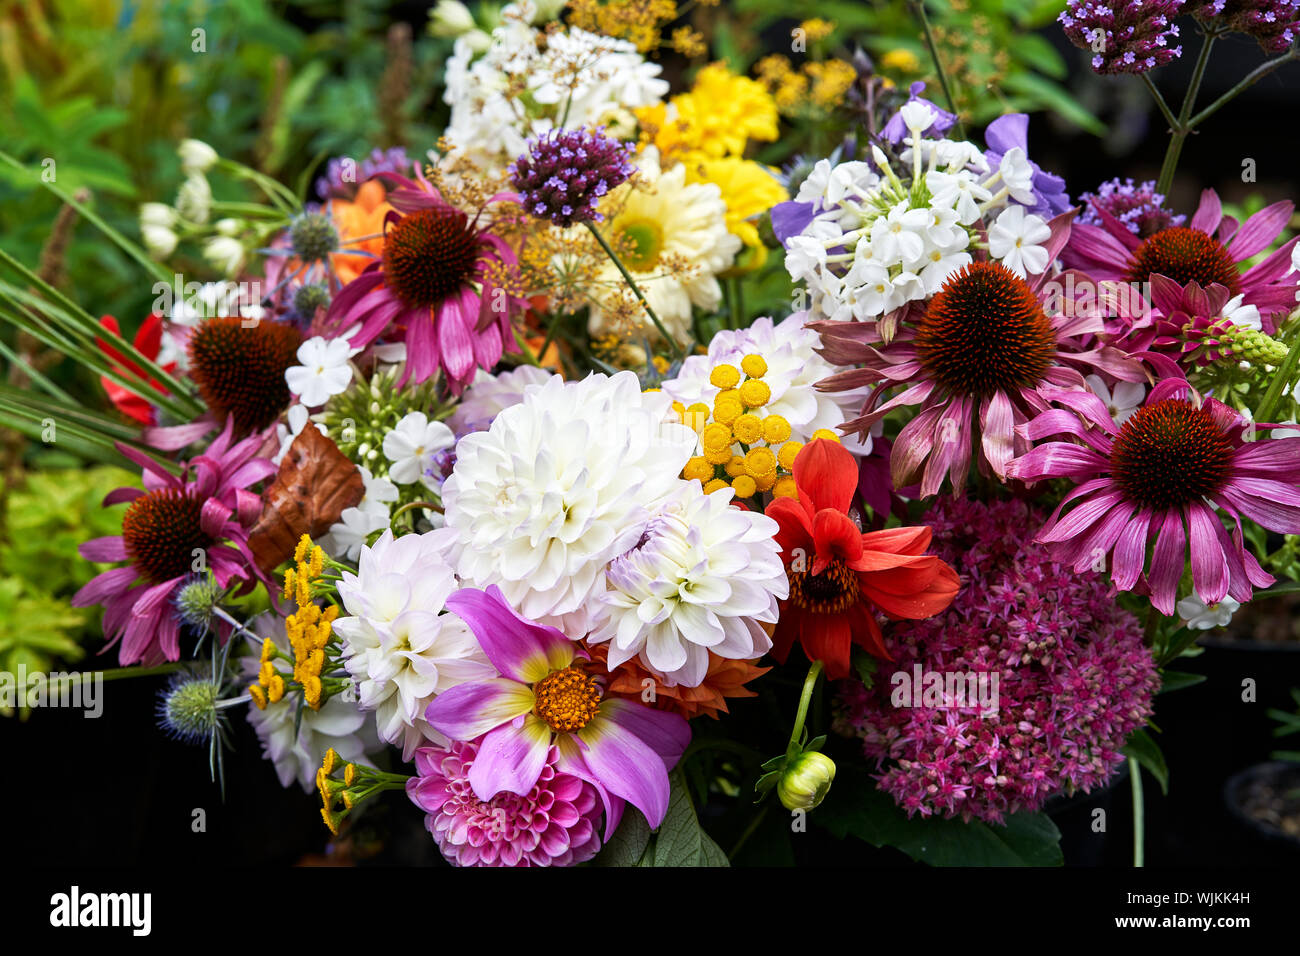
(196, 156)
(806, 781)
(194, 199)
(450, 18)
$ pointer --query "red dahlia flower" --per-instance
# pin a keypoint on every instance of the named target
(840, 577)
(148, 341)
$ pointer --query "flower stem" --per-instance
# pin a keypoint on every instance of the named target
(1183, 126)
(1250, 79)
(1165, 111)
(627, 277)
(809, 684)
(1139, 816)
(919, 6)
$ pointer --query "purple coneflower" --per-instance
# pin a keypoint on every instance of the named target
(1159, 478)
(179, 523)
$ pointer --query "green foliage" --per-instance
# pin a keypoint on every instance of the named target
(679, 841)
(855, 807)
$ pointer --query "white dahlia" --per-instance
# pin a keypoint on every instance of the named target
(793, 367)
(398, 646)
(703, 577)
(668, 224)
(558, 486)
(488, 395)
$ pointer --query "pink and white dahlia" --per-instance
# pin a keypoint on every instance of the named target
(556, 823)
(177, 526)
(1163, 478)
(1208, 250)
(984, 353)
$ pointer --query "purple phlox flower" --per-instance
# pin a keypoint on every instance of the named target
(1009, 132)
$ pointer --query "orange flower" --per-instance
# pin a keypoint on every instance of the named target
(364, 216)
(725, 678)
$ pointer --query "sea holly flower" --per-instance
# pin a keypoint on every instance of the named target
(201, 515)
(840, 577)
(1164, 476)
(1208, 250)
(545, 699)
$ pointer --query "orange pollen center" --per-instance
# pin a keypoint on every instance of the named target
(833, 591)
(567, 699)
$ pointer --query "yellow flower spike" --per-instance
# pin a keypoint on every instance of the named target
(288, 585)
(258, 695)
(329, 821)
(309, 613)
(785, 488)
(753, 365)
(718, 456)
(304, 591)
(766, 483)
(724, 376)
(680, 409)
(350, 774)
(331, 614)
(755, 393)
(760, 463)
(300, 552)
(330, 762)
(697, 469)
(789, 451)
(827, 434)
(317, 661)
(268, 651)
(775, 429)
(748, 428)
(264, 673)
(311, 691)
(714, 485)
(317, 562)
(716, 435)
(697, 415)
(745, 486)
(726, 409)
(736, 466)
(347, 799)
(275, 688)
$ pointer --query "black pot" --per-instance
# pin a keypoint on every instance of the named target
(1074, 816)
(1268, 842)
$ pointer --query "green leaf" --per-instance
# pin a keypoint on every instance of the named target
(628, 844)
(1033, 49)
(679, 840)
(1177, 680)
(1050, 95)
(1142, 748)
(855, 807)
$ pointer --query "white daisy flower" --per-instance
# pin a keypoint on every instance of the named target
(412, 445)
(1122, 401)
(324, 370)
(1016, 239)
(1199, 616)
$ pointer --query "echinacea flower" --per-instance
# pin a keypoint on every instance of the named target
(398, 646)
(439, 282)
(839, 576)
(177, 525)
(1208, 250)
(239, 365)
(984, 352)
(545, 699)
(556, 823)
(1164, 476)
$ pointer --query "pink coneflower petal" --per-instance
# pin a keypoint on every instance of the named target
(1259, 231)
(112, 548)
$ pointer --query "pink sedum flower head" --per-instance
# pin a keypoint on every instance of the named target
(544, 702)
(1164, 476)
(178, 525)
(1073, 678)
(1208, 250)
(556, 823)
(438, 281)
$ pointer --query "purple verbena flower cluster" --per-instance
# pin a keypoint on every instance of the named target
(1125, 36)
(1137, 205)
(1074, 679)
(566, 171)
(343, 175)
(1274, 23)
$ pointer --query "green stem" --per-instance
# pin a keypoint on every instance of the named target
(919, 5)
(1160, 101)
(749, 830)
(1183, 127)
(1251, 78)
(427, 505)
(1139, 814)
(636, 290)
(809, 683)
(120, 673)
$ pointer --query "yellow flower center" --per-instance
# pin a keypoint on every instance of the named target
(567, 699)
(643, 240)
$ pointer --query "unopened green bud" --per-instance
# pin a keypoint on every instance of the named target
(806, 781)
(1254, 346)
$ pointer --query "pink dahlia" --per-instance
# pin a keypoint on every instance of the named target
(441, 280)
(178, 525)
(1207, 250)
(983, 351)
(556, 823)
(1159, 478)
(1073, 678)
